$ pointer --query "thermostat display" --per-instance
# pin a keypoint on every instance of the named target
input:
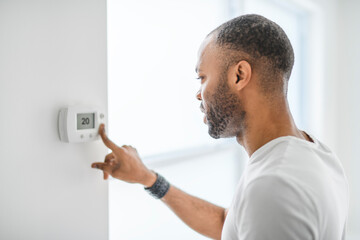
(80, 123)
(85, 120)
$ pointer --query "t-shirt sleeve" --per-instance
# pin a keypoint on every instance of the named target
(273, 208)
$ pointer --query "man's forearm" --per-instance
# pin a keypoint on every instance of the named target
(202, 216)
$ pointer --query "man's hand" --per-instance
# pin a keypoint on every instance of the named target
(124, 163)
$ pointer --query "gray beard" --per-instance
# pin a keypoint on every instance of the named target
(225, 117)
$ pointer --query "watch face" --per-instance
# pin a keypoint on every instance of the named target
(85, 121)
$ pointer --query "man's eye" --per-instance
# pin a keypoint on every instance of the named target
(200, 78)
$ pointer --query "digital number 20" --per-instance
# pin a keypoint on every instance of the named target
(85, 121)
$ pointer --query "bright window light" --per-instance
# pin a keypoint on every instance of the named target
(152, 53)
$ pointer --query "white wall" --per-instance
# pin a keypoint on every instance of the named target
(52, 53)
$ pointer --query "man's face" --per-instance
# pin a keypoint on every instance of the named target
(223, 110)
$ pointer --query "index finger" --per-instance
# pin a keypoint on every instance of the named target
(105, 139)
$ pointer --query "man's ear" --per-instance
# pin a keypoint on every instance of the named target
(242, 72)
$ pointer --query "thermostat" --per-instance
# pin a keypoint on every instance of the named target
(80, 123)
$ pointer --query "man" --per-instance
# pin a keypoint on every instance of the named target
(293, 187)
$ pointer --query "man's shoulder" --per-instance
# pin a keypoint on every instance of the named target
(291, 153)
(294, 171)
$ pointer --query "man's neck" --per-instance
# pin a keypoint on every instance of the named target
(266, 125)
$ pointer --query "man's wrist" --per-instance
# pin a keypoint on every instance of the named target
(150, 179)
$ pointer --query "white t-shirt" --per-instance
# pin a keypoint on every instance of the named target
(291, 189)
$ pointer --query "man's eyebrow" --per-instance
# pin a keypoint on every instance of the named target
(197, 69)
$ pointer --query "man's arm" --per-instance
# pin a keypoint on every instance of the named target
(202, 216)
(125, 164)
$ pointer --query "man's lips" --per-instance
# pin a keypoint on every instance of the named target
(202, 109)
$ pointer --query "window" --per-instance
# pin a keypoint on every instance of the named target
(152, 53)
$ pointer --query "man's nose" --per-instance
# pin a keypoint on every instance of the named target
(198, 95)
